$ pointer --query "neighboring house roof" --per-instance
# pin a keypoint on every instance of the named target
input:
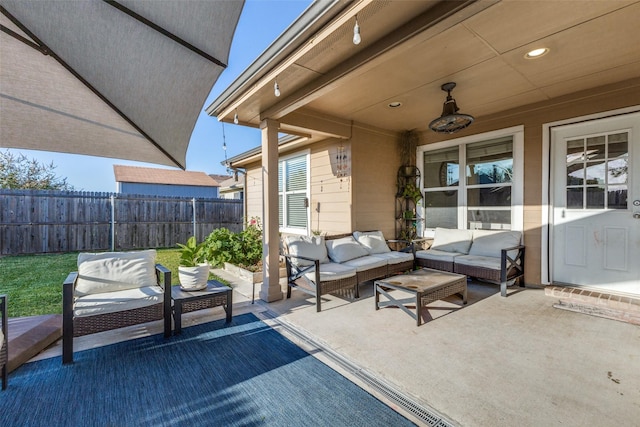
(162, 176)
(232, 185)
(220, 178)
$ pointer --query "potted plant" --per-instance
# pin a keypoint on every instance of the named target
(412, 192)
(193, 271)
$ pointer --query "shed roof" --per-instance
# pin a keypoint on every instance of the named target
(162, 176)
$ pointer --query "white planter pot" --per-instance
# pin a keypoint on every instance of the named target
(193, 278)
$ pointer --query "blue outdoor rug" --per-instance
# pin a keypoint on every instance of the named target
(215, 374)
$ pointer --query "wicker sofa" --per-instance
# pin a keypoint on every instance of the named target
(4, 341)
(493, 256)
(112, 290)
(319, 265)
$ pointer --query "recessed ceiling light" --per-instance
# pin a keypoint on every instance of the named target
(395, 104)
(537, 53)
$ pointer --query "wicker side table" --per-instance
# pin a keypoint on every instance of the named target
(424, 285)
(216, 294)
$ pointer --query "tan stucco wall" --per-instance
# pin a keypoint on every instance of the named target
(533, 117)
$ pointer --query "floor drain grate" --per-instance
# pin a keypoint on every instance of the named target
(409, 404)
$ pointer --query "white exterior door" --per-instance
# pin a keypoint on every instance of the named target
(595, 194)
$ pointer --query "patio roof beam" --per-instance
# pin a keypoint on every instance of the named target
(252, 83)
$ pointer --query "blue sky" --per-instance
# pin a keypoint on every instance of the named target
(261, 22)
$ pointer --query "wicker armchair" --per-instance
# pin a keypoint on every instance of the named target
(100, 318)
(4, 341)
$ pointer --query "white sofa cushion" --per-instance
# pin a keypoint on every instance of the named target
(306, 246)
(452, 240)
(331, 271)
(395, 257)
(110, 302)
(373, 241)
(115, 271)
(479, 261)
(345, 249)
(366, 263)
(491, 242)
(438, 255)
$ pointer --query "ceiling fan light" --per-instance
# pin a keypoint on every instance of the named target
(450, 121)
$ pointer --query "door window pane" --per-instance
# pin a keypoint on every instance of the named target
(617, 197)
(596, 148)
(575, 198)
(595, 172)
(595, 198)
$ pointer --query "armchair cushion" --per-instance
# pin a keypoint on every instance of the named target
(373, 241)
(306, 246)
(345, 249)
(452, 240)
(115, 271)
(116, 301)
(331, 271)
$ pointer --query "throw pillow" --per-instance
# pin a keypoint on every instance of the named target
(373, 241)
(306, 246)
(345, 249)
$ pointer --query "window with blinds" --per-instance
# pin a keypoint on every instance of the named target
(293, 193)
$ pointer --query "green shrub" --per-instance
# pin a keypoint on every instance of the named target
(243, 249)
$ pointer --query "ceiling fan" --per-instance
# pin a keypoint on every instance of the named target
(450, 121)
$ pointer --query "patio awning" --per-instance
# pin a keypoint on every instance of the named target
(123, 79)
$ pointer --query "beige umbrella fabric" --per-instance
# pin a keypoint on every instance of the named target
(123, 79)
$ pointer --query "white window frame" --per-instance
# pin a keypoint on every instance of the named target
(517, 186)
(281, 191)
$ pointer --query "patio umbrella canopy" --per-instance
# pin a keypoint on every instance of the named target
(123, 79)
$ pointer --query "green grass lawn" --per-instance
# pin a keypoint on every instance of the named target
(33, 283)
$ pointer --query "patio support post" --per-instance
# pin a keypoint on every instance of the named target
(270, 290)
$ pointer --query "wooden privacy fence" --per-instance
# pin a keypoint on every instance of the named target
(39, 221)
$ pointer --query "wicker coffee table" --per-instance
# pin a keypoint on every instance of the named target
(214, 295)
(425, 285)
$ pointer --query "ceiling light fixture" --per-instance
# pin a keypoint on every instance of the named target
(394, 104)
(235, 117)
(276, 88)
(450, 121)
(356, 33)
(536, 53)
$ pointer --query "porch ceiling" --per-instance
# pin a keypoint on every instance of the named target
(409, 49)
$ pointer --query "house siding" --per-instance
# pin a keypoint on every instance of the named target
(375, 165)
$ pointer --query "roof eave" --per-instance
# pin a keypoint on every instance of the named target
(318, 13)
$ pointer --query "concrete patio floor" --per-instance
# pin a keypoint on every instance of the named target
(514, 361)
